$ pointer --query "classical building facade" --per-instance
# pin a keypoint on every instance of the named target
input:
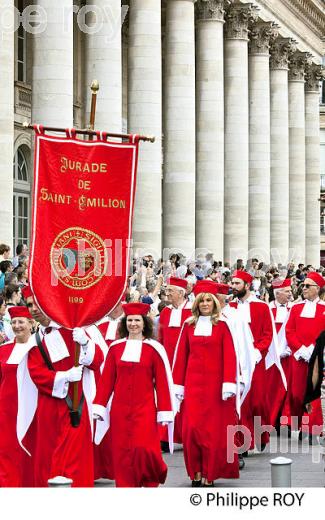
(230, 89)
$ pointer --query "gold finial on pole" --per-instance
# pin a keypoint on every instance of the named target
(94, 88)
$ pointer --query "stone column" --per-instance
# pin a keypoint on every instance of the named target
(53, 66)
(297, 166)
(144, 116)
(281, 49)
(7, 67)
(179, 128)
(259, 139)
(103, 48)
(210, 127)
(312, 124)
(236, 130)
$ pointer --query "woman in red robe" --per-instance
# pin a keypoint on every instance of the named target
(16, 466)
(136, 368)
(204, 373)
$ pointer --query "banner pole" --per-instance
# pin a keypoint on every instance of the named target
(94, 88)
(85, 131)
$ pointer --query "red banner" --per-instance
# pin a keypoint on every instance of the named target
(82, 222)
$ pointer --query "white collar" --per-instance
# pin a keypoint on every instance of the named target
(203, 326)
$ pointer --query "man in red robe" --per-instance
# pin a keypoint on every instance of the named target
(257, 314)
(62, 449)
(170, 325)
(305, 323)
(278, 401)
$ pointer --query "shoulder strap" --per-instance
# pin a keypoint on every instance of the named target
(42, 351)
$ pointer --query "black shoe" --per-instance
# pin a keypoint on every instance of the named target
(208, 485)
(245, 454)
(300, 435)
(164, 445)
(197, 483)
(241, 462)
(262, 447)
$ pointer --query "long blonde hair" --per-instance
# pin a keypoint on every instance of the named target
(216, 311)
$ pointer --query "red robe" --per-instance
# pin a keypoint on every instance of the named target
(255, 403)
(61, 449)
(168, 337)
(203, 364)
(134, 430)
(302, 331)
(278, 398)
(16, 466)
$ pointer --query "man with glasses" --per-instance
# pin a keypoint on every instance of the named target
(305, 323)
(63, 448)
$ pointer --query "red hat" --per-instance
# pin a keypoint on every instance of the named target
(141, 309)
(281, 283)
(19, 311)
(177, 282)
(317, 278)
(205, 286)
(242, 275)
(26, 292)
(223, 288)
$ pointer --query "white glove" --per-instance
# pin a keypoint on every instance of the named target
(227, 395)
(97, 417)
(300, 353)
(180, 397)
(287, 352)
(74, 374)
(308, 353)
(258, 356)
(79, 336)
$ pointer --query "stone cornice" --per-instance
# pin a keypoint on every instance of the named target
(304, 20)
(238, 16)
(211, 10)
(298, 62)
(261, 36)
(311, 12)
(281, 50)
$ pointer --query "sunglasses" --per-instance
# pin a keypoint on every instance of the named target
(307, 285)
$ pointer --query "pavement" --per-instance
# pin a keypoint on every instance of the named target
(307, 466)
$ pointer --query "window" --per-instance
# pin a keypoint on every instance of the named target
(21, 47)
(22, 198)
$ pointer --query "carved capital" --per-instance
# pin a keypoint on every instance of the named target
(313, 75)
(211, 10)
(281, 50)
(298, 62)
(262, 34)
(238, 17)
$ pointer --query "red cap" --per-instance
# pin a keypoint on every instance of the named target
(317, 278)
(223, 288)
(205, 286)
(177, 282)
(141, 309)
(243, 275)
(19, 311)
(26, 292)
(281, 283)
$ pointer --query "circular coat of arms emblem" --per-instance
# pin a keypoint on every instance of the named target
(78, 258)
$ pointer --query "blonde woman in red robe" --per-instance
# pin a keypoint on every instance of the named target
(204, 373)
(136, 371)
(16, 466)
